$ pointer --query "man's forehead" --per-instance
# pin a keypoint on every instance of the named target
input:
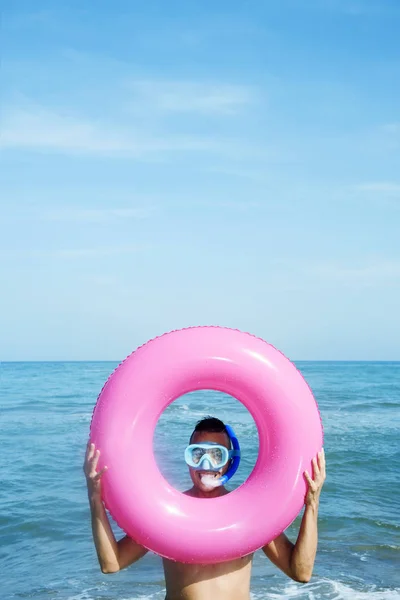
(219, 437)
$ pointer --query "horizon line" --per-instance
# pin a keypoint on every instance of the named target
(119, 361)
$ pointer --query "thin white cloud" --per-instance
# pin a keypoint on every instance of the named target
(43, 129)
(97, 214)
(382, 187)
(392, 127)
(367, 275)
(99, 252)
(191, 97)
(40, 129)
(356, 8)
(234, 205)
(76, 253)
(252, 174)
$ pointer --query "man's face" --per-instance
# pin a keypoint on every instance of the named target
(217, 438)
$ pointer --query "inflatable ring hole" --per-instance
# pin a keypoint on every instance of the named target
(177, 422)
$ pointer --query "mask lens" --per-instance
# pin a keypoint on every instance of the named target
(215, 455)
(197, 453)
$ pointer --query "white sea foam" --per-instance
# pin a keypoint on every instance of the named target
(325, 589)
(90, 595)
(322, 589)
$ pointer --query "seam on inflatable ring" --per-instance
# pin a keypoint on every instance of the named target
(185, 329)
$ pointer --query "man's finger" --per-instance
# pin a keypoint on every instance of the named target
(100, 473)
(321, 459)
(315, 467)
(90, 451)
(95, 459)
(307, 476)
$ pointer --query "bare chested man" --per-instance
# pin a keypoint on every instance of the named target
(222, 581)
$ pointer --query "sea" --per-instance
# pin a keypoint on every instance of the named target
(46, 548)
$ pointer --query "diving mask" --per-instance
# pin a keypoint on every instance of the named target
(207, 456)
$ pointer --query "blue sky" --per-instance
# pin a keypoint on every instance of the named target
(167, 164)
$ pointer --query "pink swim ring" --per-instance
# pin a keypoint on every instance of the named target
(138, 497)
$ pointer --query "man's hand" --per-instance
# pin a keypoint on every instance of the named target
(90, 469)
(315, 484)
(298, 561)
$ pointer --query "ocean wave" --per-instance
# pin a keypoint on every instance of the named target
(323, 589)
(327, 589)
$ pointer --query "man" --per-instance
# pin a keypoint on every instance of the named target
(223, 581)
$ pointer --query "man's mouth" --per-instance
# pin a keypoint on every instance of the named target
(210, 479)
